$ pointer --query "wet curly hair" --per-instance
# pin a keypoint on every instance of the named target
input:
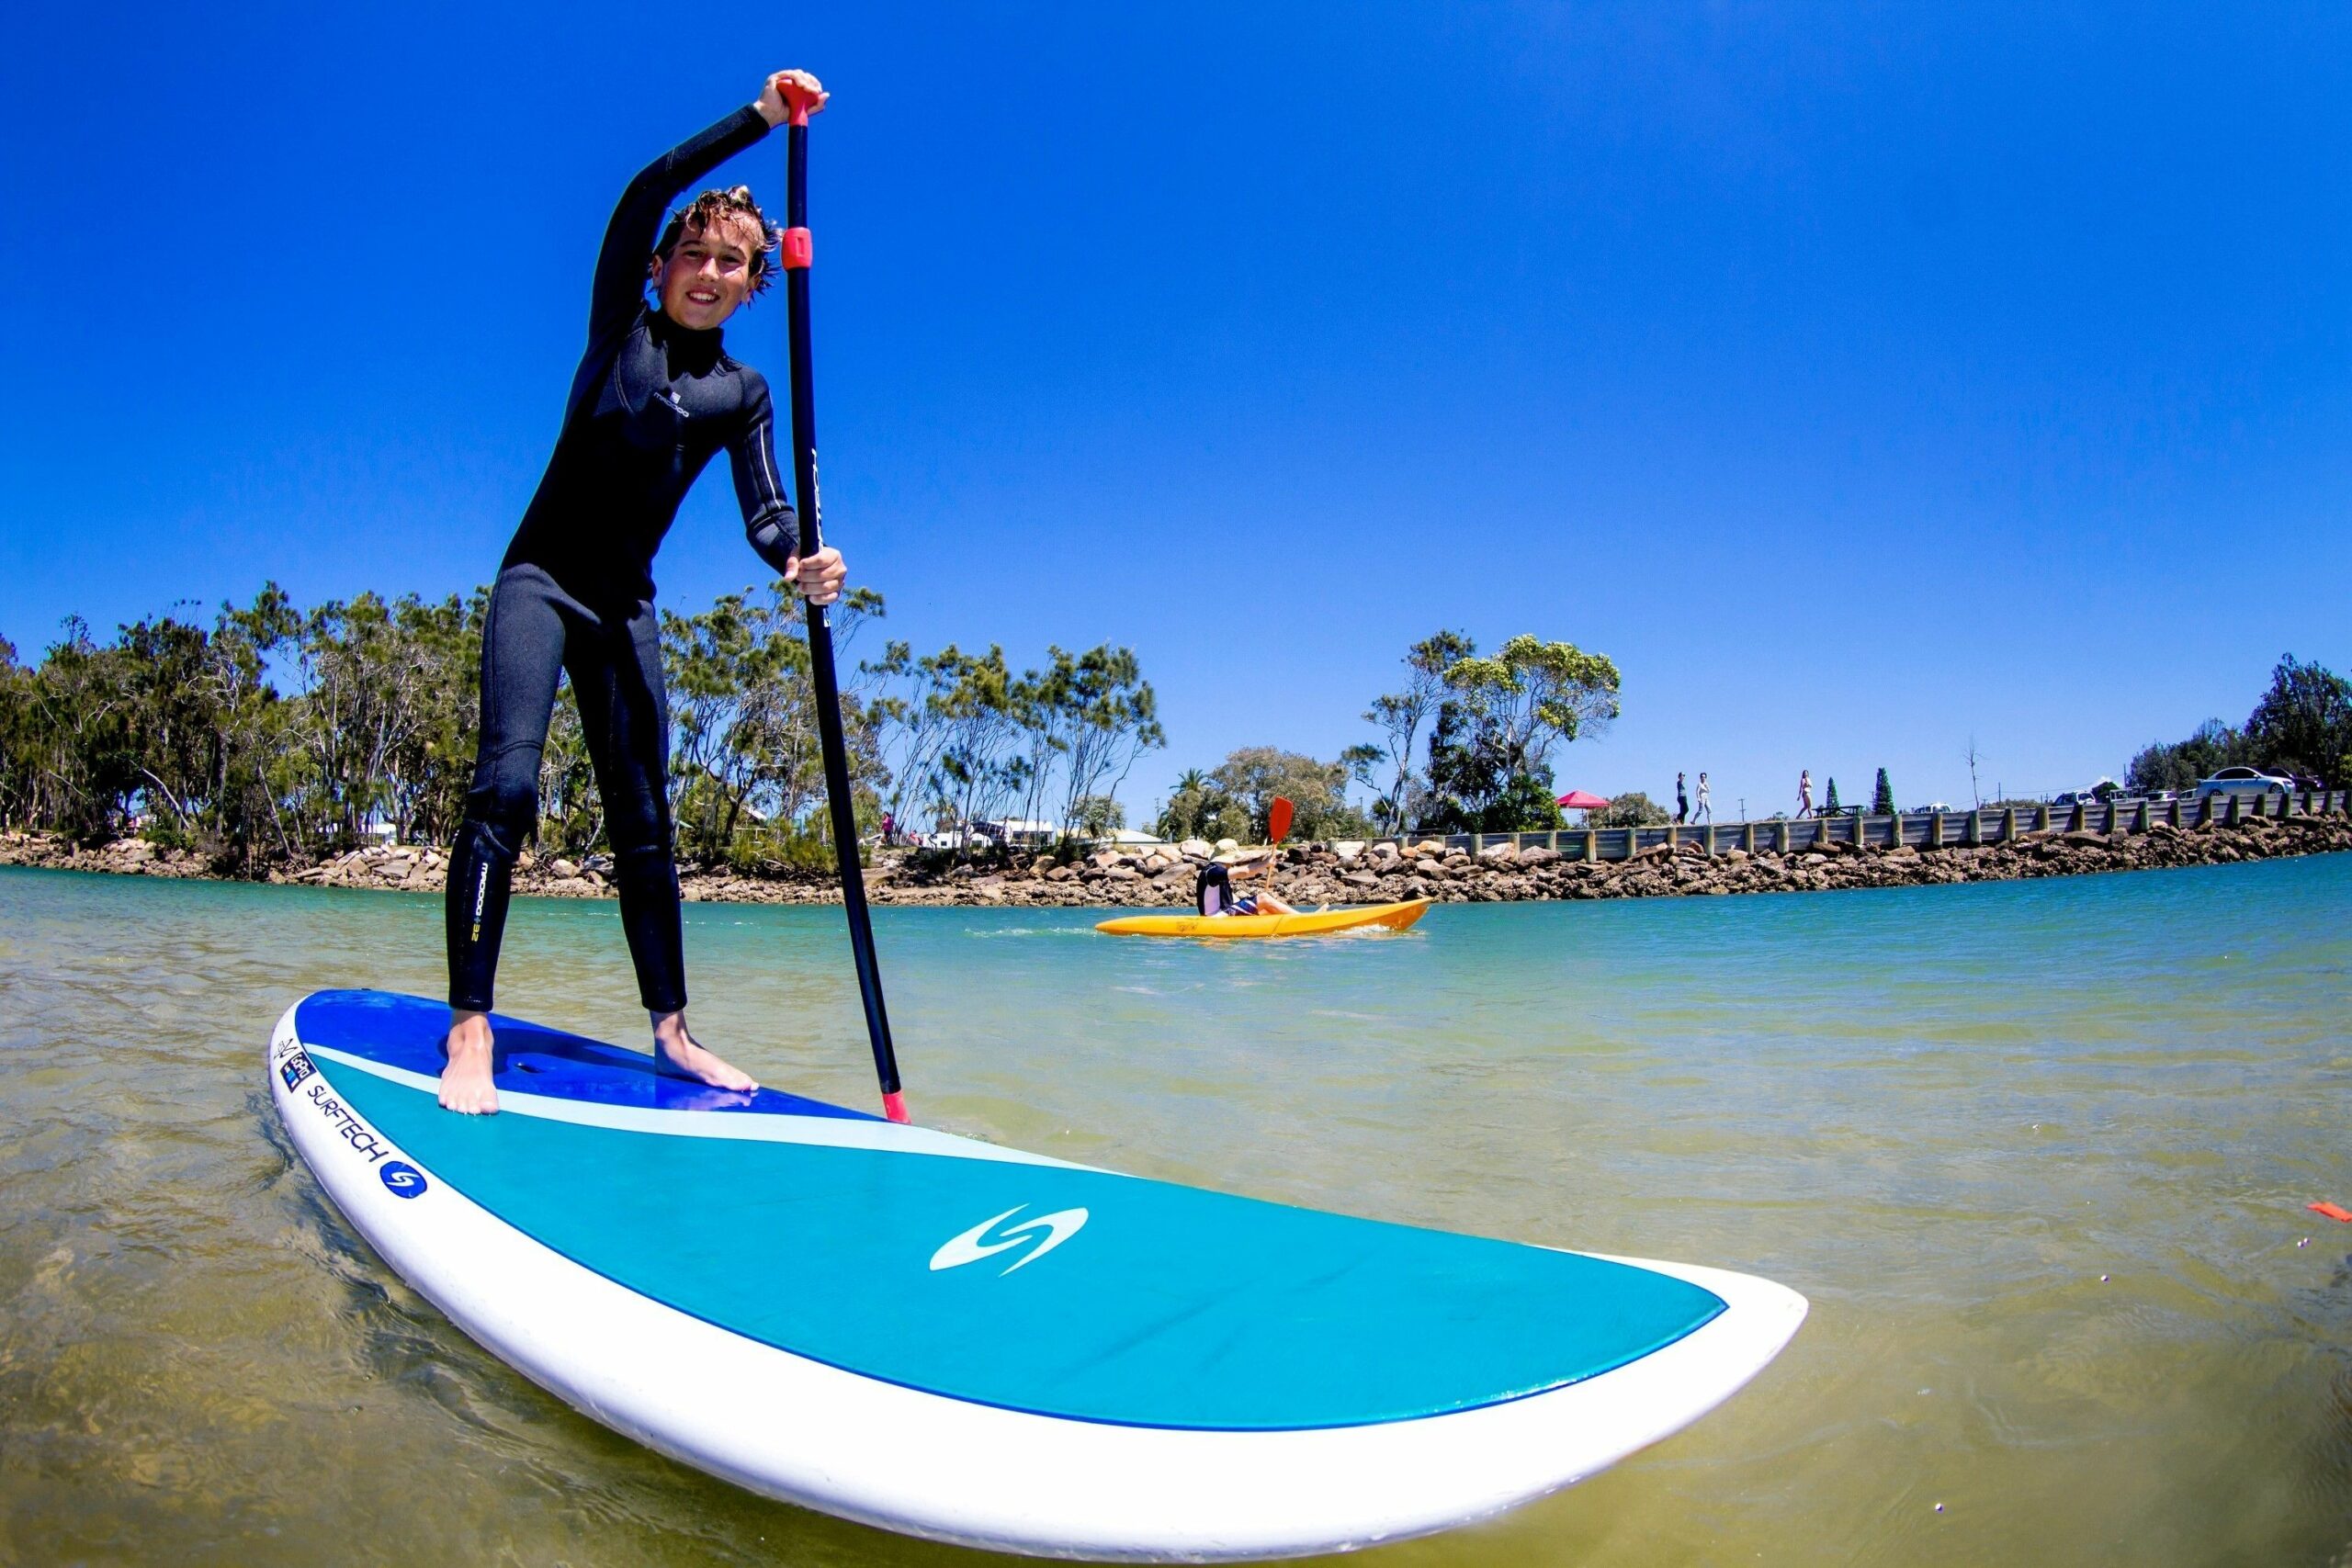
(713, 207)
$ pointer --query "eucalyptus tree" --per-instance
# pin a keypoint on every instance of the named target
(15, 737)
(743, 718)
(1198, 807)
(978, 765)
(384, 692)
(1253, 776)
(251, 783)
(1489, 760)
(1401, 715)
(1106, 716)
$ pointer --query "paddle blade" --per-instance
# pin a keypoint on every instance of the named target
(1278, 820)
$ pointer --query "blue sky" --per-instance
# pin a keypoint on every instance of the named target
(1859, 378)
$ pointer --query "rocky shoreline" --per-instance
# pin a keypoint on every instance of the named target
(1162, 876)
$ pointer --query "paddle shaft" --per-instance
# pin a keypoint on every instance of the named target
(821, 673)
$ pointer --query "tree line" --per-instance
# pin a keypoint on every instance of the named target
(1465, 745)
(279, 735)
(2302, 725)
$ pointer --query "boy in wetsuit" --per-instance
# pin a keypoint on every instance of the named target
(656, 396)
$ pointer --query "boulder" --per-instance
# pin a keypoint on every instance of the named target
(1504, 853)
(1196, 848)
(1348, 848)
(564, 870)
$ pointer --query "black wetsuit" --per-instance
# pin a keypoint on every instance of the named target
(651, 404)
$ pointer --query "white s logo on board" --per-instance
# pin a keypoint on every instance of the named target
(1049, 1231)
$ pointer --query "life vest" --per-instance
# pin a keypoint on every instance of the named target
(1213, 890)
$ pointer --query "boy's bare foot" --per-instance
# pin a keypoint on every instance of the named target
(465, 1082)
(675, 1052)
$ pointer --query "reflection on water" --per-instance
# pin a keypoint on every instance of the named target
(2039, 1152)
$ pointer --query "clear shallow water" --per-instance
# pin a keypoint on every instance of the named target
(1943, 1113)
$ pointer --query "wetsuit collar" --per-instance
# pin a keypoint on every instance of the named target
(697, 347)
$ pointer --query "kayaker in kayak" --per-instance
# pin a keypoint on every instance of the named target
(1213, 890)
(656, 399)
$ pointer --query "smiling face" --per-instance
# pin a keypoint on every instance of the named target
(708, 271)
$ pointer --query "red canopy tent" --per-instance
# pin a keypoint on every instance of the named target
(1579, 800)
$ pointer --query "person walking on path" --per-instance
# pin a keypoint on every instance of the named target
(1804, 791)
(655, 399)
(1706, 812)
(1681, 801)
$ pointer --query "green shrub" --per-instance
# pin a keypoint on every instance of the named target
(1631, 810)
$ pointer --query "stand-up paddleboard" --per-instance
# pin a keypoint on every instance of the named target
(1305, 922)
(956, 1340)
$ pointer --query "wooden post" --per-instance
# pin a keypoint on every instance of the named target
(1674, 835)
(1935, 829)
(1975, 833)
(1709, 842)
(1593, 846)
(2042, 818)
(2230, 812)
(2008, 824)
(1748, 837)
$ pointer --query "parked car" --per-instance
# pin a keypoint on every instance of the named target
(2243, 781)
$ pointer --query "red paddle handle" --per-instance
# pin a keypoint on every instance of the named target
(799, 101)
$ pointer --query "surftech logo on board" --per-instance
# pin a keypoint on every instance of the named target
(404, 1180)
(1049, 1231)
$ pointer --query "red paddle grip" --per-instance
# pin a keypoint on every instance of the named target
(800, 101)
(894, 1106)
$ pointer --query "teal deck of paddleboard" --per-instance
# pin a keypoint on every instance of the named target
(1171, 1306)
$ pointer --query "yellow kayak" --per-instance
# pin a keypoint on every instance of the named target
(1396, 917)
